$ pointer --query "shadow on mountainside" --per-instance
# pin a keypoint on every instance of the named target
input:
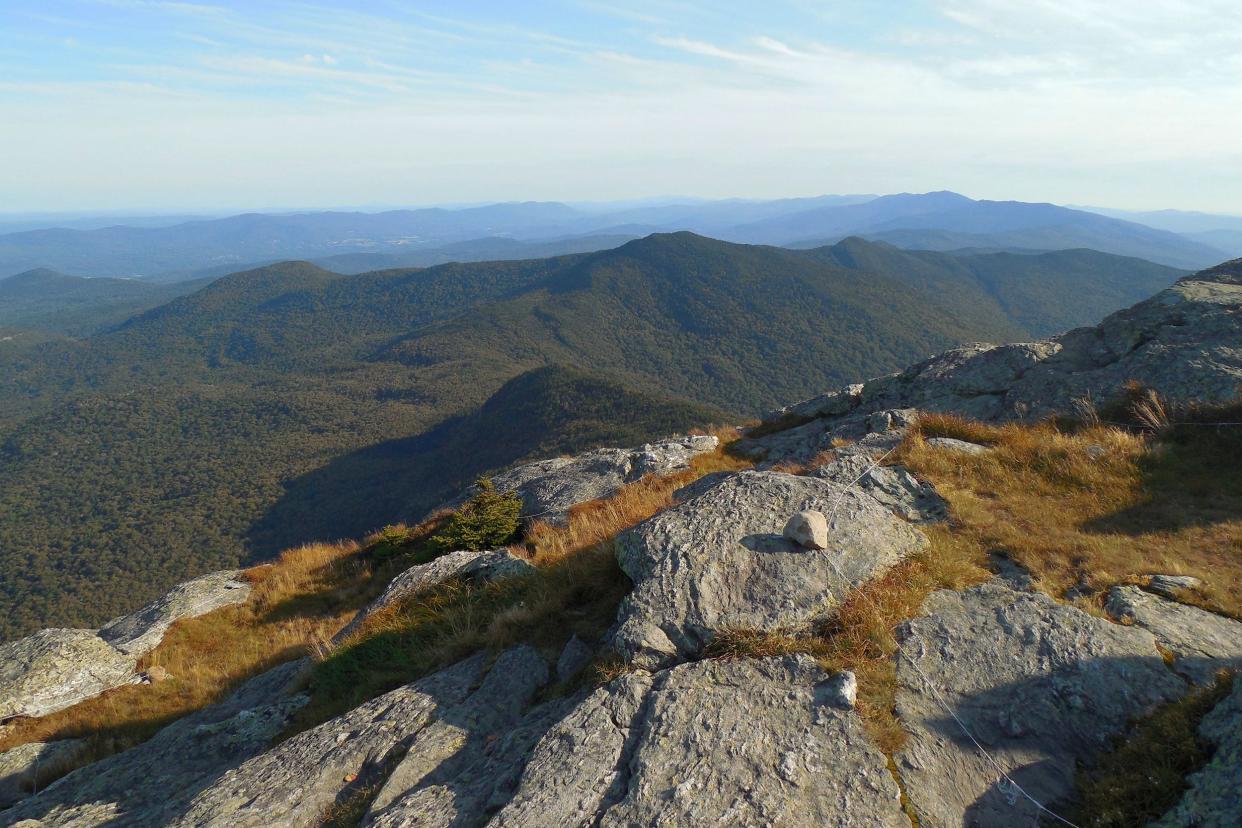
(543, 413)
(397, 480)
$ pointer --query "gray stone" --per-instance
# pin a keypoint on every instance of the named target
(574, 657)
(579, 767)
(1202, 642)
(550, 488)
(719, 561)
(740, 742)
(140, 632)
(808, 529)
(955, 445)
(1170, 585)
(1214, 795)
(1041, 686)
(843, 689)
(57, 668)
(1185, 343)
(27, 767)
(753, 742)
(894, 487)
(481, 567)
(296, 781)
(447, 776)
(54, 669)
(151, 784)
(897, 419)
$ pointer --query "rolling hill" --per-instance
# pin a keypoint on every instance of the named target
(292, 402)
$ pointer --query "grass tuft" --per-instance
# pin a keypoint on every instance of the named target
(1145, 775)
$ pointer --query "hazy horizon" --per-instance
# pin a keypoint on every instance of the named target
(154, 106)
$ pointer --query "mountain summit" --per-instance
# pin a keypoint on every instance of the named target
(913, 584)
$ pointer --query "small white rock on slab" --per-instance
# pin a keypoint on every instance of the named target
(808, 528)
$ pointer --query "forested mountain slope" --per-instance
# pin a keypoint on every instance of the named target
(291, 402)
(52, 302)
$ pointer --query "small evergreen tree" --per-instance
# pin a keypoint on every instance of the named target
(485, 521)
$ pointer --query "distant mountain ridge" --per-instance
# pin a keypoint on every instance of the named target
(943, 220)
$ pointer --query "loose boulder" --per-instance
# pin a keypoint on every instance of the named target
(720, 561)
(957, 446)
(808, 529)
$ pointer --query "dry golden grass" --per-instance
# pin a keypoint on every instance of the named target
(1093, 507)
(298, 603)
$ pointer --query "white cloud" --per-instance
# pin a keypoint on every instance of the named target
(1087, 102)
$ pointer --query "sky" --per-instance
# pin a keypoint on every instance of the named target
(252, 104)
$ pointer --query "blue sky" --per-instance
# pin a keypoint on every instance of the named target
(154, 104)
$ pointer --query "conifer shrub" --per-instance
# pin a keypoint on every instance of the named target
(485, 521)
(390, 542)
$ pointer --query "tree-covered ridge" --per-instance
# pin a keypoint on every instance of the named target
(291, 403)
(51, 302)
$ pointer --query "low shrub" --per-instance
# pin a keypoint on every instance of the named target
(485, 521)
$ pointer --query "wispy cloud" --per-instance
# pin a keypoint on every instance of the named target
(596, 98)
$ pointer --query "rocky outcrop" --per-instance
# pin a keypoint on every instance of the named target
(745, 742)
(57, 668)
(1185, 342)
(454, 765)
(1214, 797)
(298, 780)
(550, 488)
(1201, 642)
(141, 632)
(54, 669)
(719, 561)
(1170, 586)
(580, 765)
(893, 487)
(24, 767)
(1041, 686)
(480, 567)
(151, 784)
